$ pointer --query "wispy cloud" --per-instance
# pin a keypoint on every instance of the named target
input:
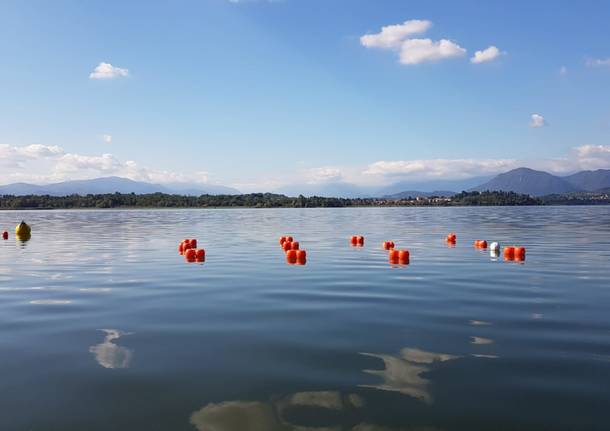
(107, 138)
(537, 120)
(108, 71)
(595, 62)
(485, 55)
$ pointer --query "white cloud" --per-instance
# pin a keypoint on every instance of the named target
(537, 121)
(488, 54)
(323, 175)
(44, 164)
(415, 51)
(598, 62)
(412, 51)
(107, 138)
(563, 71)
(107, 71)
(392, 36)
(439, 168)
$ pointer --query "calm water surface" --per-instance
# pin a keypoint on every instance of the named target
(103, 326)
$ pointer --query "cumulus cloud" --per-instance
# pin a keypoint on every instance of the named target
(392, 36)
(412, 51)
(415, 51)
(108, 71)
(593, 62)
(486, 55)
(537, 121)
(45, 164)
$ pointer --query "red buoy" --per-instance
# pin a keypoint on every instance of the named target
(520, 253)
(282, 240)
(452, 238)
(193, 243)
(360, 240)
(403, 257)
(287, 245)
(295, 245)
(480, 243)
(509, 253)
(301, 257)
(388, 245)
(5, 235)
(289, 239)
(393, 256)
(190, 255)
(291, 257)
(354, 240)
(200, 255)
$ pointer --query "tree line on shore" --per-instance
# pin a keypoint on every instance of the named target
(253, 200)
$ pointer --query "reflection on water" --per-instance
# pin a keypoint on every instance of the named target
(480, 340)
(110, 355)
(302, 411)
(403, 373)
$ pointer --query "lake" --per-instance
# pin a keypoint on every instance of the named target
(104, 326)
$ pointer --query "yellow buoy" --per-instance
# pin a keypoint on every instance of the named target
(23, 230)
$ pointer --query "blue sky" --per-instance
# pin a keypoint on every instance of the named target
(259, 94)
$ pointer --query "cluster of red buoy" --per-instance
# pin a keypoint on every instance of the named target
(188, 248)
(396, 257)
(357, 241)
(514, 253)
(294, 255)
(511, 253)
(5, 235)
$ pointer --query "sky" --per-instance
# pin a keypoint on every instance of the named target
(258, 94)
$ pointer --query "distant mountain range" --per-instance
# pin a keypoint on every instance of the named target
(539, 183)
(520, 180)
(111, 185)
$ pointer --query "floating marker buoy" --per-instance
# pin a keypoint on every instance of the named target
(301, 257)
(354, 240)
(393, 256)
(200, 255)
(360, 240)
(520, 253)
(291, 257)
(282, 240)
(289, 239)
(509, 253)
(287, 245)
(494, 248)
(388, 245)
(190, 255)
(5, 235)
(23, 230)
(451, 238)
(186, 246)
(403, 257)
(480, 243)
(294, 245)
(181, 248)
(193, 243)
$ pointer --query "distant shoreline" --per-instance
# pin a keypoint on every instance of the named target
(270, 200)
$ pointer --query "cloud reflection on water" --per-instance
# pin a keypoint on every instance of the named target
(110, 355)
(339, 411)
(403, 373)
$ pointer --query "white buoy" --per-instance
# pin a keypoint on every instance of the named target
(494, 248)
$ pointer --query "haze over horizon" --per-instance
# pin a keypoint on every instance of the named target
(261, 94)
